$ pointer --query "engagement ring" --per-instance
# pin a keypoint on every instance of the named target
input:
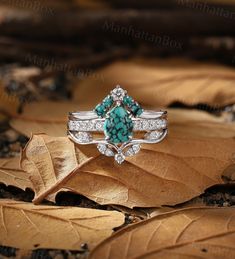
(123, 123)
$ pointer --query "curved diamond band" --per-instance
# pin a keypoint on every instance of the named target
(119, 117)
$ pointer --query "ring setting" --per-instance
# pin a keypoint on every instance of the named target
(119, 118)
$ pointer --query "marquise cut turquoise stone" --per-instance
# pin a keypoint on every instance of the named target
(108, 102)
(118, 125)
(136, 109)
(132, 105)
(127, 100)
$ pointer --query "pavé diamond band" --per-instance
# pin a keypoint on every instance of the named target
(119, 117)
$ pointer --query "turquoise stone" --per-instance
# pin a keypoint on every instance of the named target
(127, 100)
(108, 102)
(118, 125)
(100, 110)
(136, 109)
(132, 105)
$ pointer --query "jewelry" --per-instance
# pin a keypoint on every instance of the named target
(118, 117)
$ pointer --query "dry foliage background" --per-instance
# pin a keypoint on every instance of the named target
(174, 199)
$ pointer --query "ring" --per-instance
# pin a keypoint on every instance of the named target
(123, 124)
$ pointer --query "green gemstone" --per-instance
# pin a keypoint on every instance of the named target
(127, 100)
(136, 109)
(100, 110)
(139, 112)
(108, 102)
(118, 125)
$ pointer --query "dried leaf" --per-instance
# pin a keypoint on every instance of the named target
(188, 233)
(44, 117)
(48, 160)
(165, 174)
(169, 173)
(11, 174)
(27, 226)
(198, 123)
(160, 83)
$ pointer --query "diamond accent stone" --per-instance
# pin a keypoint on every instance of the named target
(119, 158)
(86, 125)
(137, 125)
(105, 150)
(145, 124)
(109, 152)
(118, 93)
(136, 148)
(133, 150)
(102, 148)
(163, 124)
(99, 125)
(154, 135)
(83, 137)
(150, 124)
(90, 125)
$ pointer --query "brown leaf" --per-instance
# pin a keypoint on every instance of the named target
(169, 173)
(165, 174)
(160, 83)
(26, 226)
(198, 123)
(217, 247)
(48, 160)
(44, 117)
(188, 233)
(11, 174)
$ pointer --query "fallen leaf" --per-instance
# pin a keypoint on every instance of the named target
(48, 160)
(44, 117)
(161, 83)
(198, 123)
(187, 233)
(26, 226)
(169, 173)
(217, 247)
(11, 174)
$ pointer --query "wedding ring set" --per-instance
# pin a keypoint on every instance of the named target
(118, 118)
